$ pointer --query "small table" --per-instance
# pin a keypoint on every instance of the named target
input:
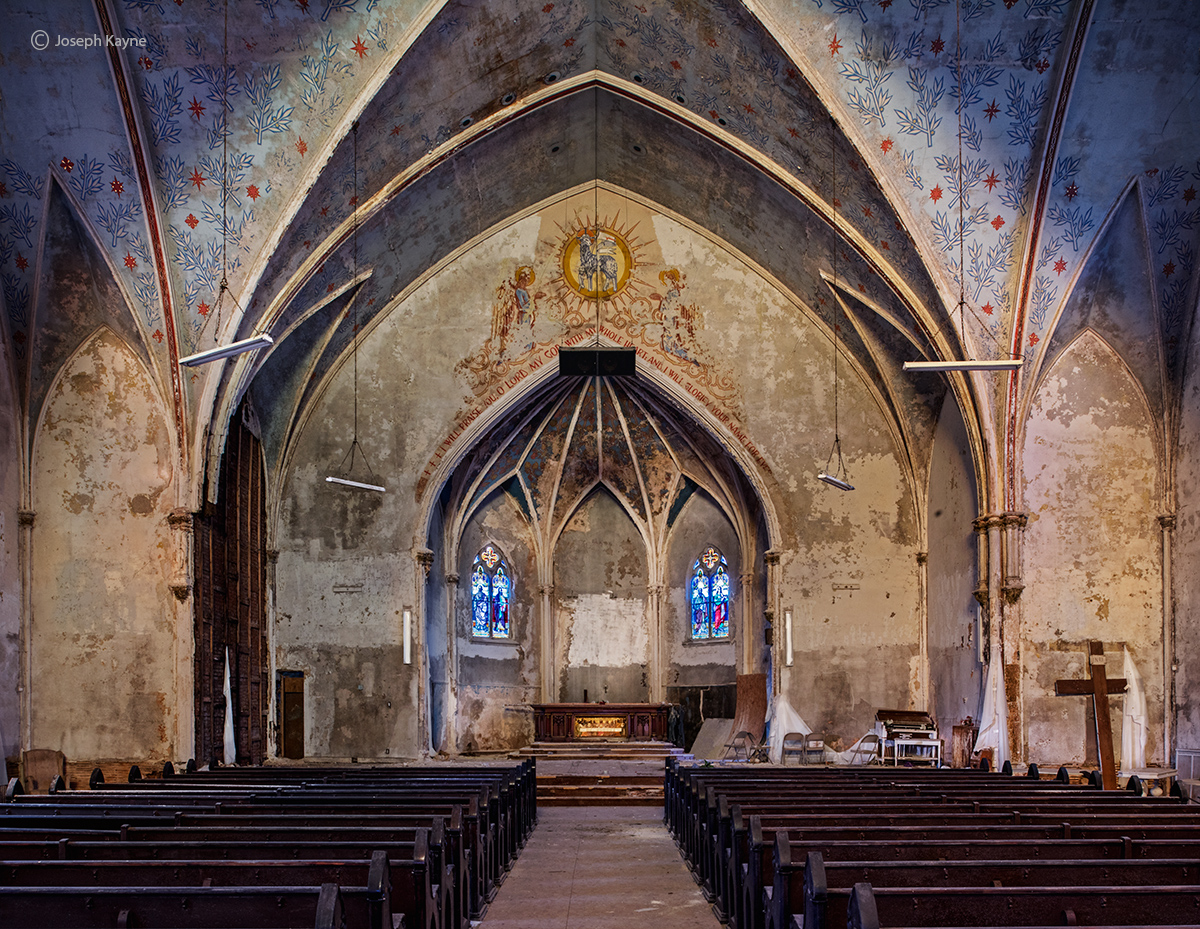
(917, 750)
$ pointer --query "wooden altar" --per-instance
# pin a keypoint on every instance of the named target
(570, 722)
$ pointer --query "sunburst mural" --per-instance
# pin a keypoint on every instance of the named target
(599, 261)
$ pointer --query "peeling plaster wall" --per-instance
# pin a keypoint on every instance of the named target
(436, 654)
(600, 593)
(10, 567)
(102, 617)
(1092, 555)
(955, 673)
(495, 675)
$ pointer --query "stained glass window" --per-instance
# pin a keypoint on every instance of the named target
(709, 594)
(491, 594)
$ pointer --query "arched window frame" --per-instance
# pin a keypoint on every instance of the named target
(492, 586)
(710, 593)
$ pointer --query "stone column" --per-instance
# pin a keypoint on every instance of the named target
(275, 712)
(25, 557)
(1012, 527)
(658, 646)
(452, 664)
(773, 614)
(424, 562)
(924, 700)
(183, 529)
(547, 669)
(1167, 522)
(749, 638)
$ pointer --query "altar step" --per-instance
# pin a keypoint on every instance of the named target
(600, 773)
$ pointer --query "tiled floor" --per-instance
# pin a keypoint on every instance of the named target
(599, 868)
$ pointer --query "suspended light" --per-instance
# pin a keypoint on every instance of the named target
(833, 480)
(227, 351)
(1001, 364)
(360, 485)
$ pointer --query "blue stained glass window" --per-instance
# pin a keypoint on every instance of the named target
(491, 593)
(710, 596)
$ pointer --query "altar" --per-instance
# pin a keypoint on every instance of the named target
(570, 722)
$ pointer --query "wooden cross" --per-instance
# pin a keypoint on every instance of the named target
(1098, 687)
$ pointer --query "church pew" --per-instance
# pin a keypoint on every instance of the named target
(406, 883)
(324, 907)
(801, 882)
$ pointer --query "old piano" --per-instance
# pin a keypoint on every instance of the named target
(908, 737)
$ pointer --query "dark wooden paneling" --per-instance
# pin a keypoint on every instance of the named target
(230, 604)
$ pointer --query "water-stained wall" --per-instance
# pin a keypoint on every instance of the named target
(1092, 556)
(955, 671)
(10, 565)
(1186, 555)
(102, 638)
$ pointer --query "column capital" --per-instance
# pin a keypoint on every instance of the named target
(771, 557)
(25, 517)
(272, 556)
(424, 558)
(181, 519)
(546, 590)
(451, 577)
(1167, 521)
(922, 557)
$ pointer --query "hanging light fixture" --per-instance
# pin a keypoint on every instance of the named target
(1001, 364)
(837, 477)
(347, 478)
(254, 342)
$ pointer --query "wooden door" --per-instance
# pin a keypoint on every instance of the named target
(292, 717)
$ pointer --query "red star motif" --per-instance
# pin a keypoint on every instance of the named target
(837, 204)
(886, 145)
(713, 113)
(712, 43)
(569, 43)
(997, 222)
(1033, 338)
(197, 108)
(991, 110)
(936, 194)
(358, 47)
(884, 4)
(987, 308)
(621, 43)
(158, 336)
(748, 108)
(884, 245)
(22, 262)
(1009, 4)
(854, 166)
(1189, 195)
(862, 288)
(792, 74)
(937, 45)
(395, 130)
(303, 4)
(835, 46)
(1169, 268)
(548, 7)
(130, 261)
(301, 147)
(197, 178)
(991, 180)
(899, 228)
(821, 300)
(324, 211)
(202, 308)
(676, 65)
(371, 302)
(251, 46)
(3, 189)
(252, 192)
(117, 187)
(192, 221)
(146, 63)
(329, 288)
(354, 200)
(308, 243)
(1151, 172)
(793, 132)
(1043, 65)
(1060, 266)
(66, 164)
(1072, 191)
(868, 213)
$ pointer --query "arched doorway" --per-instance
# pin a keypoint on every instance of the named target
(599, 496)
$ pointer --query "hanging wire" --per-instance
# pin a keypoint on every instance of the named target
(962, 266)
(836, 478)
(356, 448)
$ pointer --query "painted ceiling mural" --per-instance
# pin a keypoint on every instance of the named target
(235, 120)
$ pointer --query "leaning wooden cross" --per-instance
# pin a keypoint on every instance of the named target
(1098, 687)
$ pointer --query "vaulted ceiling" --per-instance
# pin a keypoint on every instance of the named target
(360, 142)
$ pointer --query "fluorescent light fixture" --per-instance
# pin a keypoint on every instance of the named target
(227, 351)
(1009, 364)
(359, 484)
(407, 636)
(835, 481)
(787, 634)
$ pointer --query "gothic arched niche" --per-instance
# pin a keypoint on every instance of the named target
(598, 490)
(1093, 567)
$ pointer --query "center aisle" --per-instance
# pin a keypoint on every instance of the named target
(595, 867)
